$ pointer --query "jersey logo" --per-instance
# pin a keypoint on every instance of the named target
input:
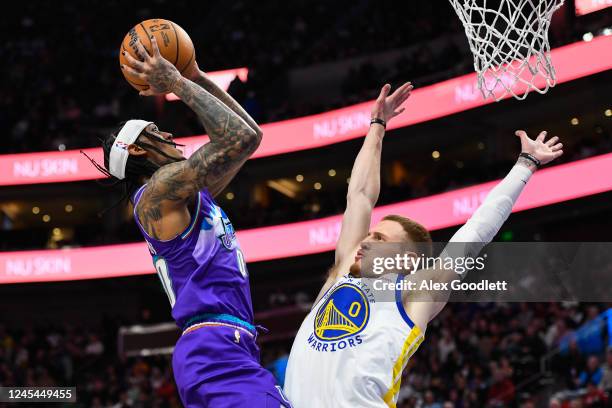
(151, 249)
(121, 145)
(345, 313)
(222, 227)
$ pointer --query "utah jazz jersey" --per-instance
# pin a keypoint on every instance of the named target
(202, 270)
(351, 350)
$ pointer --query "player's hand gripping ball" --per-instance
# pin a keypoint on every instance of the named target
(173, 42)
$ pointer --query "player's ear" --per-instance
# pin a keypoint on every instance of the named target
(135, 150)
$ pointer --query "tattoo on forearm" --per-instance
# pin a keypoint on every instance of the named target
(210, 87)
(162, 80)
(216, 117)
(224, 97)
(164, 77)
(232, 141)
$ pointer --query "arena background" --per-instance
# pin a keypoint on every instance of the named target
(62, 89)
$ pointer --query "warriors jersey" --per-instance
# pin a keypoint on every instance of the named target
(351, 350)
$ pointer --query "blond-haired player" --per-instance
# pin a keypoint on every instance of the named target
(351, 349)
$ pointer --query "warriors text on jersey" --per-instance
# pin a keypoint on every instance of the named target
(351, 349)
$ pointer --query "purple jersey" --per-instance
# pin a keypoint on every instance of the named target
(202, 270)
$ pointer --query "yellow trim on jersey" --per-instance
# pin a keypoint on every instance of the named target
(412, 343)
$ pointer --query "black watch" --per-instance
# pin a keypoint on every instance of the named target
(531, 158)
(379, 121)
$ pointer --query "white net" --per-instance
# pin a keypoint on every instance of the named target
(509, 40)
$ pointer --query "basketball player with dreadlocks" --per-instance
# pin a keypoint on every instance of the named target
(191, 239)
(352, 348)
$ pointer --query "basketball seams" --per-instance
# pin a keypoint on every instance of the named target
(176, 37)
(188, 62)
(148, 36)
(182, 41)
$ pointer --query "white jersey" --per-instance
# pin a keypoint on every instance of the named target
(351, 350)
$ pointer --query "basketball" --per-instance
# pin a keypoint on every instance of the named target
(173, 42)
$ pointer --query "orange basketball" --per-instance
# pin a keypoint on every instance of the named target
(173, 42)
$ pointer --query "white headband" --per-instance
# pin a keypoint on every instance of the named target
(119, 152)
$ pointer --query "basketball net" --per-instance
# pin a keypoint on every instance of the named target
(509, 40)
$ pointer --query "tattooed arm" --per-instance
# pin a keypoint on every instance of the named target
(162, 210)
(225, 128)
(364, 186)
(200, 78)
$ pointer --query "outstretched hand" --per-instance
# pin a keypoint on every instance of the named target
(387, 107)
(152, 68)
(544, 151)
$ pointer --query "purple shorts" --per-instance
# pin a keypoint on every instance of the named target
(217, 365)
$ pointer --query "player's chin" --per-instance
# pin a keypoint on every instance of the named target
(355, 268)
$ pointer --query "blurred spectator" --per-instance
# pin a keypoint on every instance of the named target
(468, 377)
(606, 377)
(502, 392)
(95, 346)
(446, 345)
(595, 397)
(592, 339)
(58, 95)
(430, 401)
(278, 366)
(592, 373)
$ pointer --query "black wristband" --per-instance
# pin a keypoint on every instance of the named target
(379, 121)
(531, 158)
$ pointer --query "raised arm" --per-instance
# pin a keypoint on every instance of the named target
(482, 227)
(364, 185)
(199, 77)
(162, 209)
